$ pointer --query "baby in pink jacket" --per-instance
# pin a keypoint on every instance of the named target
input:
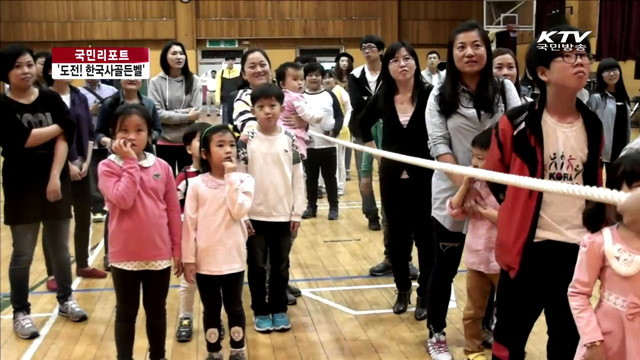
(290, 78)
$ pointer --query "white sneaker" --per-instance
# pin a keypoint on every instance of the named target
(24, 326)
(438, 348)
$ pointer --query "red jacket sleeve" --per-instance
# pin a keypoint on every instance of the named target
(499, 156)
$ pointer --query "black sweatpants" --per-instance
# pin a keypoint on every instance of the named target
(155, 287)
(176, 156)
(325, 161)
(408, 224)
(80, 194)
(541, 284)
(448, 252)
(214, 291)
(272, 239)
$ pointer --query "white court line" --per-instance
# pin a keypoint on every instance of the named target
(32, 315)
(309, 293)
(49, 324)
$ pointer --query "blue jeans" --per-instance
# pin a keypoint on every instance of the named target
(55, 237)
(369, 207)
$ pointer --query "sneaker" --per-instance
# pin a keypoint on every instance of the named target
(237, 355)
(291, 300)
(382, 269)
(413, 272)
(91, 273)
(477, 356)
(72, 310)
(185, 329)
(215, 356)
(52, 285)
(374, 224)
(438, 348)
(24, 327)
(294, 290)
(263, 323)
(487, 338)
(309, 213)
(281, 322)
(333, 214)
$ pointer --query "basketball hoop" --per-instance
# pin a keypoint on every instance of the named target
(511, 28)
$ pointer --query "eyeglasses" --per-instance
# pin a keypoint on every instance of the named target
(572, 57)
(405, 60)
(611, 72)
(369, 47)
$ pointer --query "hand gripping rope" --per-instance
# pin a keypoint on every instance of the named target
(593, 193)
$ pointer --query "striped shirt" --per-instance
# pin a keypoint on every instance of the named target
(242, 117)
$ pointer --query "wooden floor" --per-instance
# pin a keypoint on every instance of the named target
(352, 322)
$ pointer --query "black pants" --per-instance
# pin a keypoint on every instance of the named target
(210, 288)
(323, 160)
(80, 192)
(448, 252)
(97, 200)
(176, 156)
(272, 239)
(155, 287)
(547, 265)
(408, 224)
(106, 235)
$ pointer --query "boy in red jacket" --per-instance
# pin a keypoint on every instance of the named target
(559, 139)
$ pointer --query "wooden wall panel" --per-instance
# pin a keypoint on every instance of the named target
(429, 23)
(87, 30)
(185, 24)
(585, 15)
(245, 19)
(73, 10)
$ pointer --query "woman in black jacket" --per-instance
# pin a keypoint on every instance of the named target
(401, 102)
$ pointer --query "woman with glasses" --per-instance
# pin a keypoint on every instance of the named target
(401, 102)
(611, 103)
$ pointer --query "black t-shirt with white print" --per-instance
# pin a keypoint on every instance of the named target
(25, 171)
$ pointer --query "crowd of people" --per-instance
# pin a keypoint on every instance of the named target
(212, 202)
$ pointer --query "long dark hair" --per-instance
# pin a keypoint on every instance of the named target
(341, 74)
(601, 85)
(504, 51)
(624, 171)
(389, 88)
(487, 89)
(166, 68)
(243, 61)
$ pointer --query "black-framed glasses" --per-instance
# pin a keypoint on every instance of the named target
(572, 57)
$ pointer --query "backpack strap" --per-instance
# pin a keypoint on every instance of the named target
(503, 94)
(100, 98)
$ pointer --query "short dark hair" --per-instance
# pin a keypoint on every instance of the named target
(205, 143)
(482, 141)
(313, 67)
(305, 59)
(46, 68)
(8, 57)
(281, 71)
(542, 57)
(432, 52)
(193, 131)
(330, 74)
(40, 55)
(267, 91)
(127, 110)
(373, 39)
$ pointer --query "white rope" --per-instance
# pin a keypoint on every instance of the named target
(593, 193)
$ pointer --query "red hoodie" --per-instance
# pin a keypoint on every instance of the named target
(517, 148)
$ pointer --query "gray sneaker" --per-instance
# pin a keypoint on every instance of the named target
(72, 310)
(24, 327)
(216, 356)
(237, 355)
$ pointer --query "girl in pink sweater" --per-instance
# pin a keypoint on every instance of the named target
(611, 330)
(144, 229)
(214, 238)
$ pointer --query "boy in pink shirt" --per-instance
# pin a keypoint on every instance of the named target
(482, 269)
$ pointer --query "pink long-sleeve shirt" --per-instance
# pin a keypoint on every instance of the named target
(480, 244)
(144, 212)
(213, 234)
